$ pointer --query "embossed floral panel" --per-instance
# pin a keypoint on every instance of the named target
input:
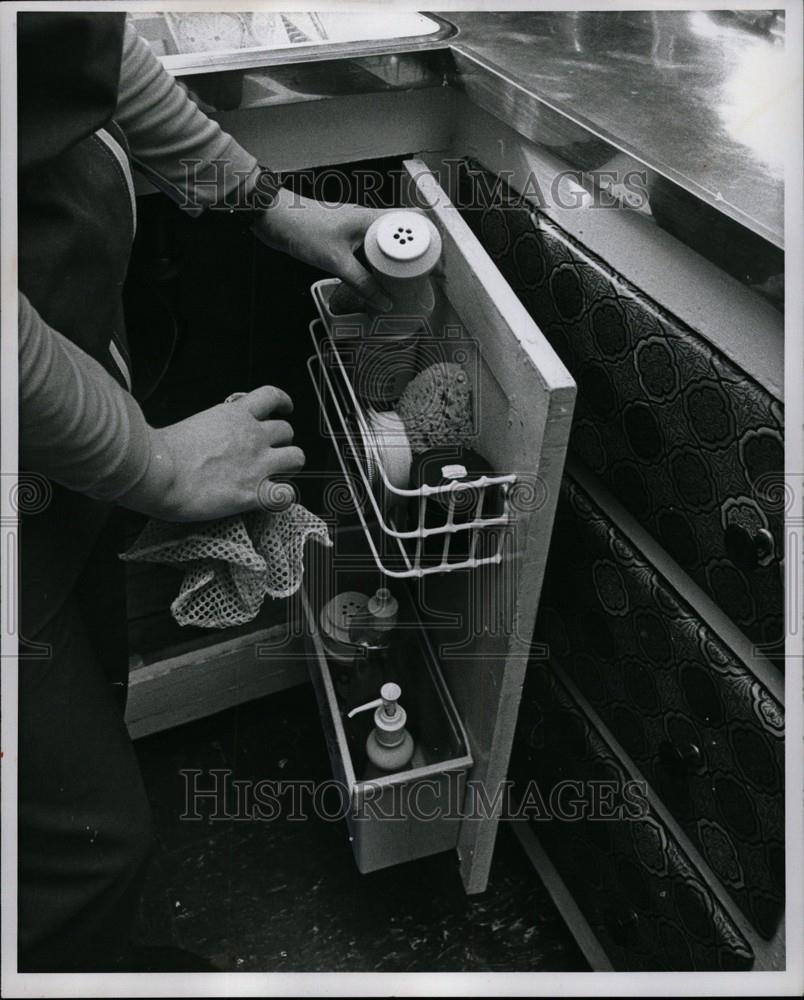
(689, 443)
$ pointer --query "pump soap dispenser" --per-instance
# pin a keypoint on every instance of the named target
(389, 746)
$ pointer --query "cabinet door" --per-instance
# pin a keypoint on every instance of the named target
(481, 621)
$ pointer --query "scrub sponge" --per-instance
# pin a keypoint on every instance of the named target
(436, 407)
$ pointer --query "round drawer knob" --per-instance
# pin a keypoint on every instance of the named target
(623, 927)
(681, 758)
(745, 548)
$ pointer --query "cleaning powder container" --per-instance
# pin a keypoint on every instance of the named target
(400, 248)
(335, 619)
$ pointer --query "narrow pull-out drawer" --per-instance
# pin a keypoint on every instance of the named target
(686, 439)
(480, 621)
(645, 900)
(701, 727)
(413, 812)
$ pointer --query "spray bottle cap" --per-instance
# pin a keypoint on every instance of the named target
(389, 715)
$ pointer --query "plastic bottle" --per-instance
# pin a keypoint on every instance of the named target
(439, 466)
(335, 621)
(401, 248)
(372, 627)
(389, 746)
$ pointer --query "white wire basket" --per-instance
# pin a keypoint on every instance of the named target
(411, 532)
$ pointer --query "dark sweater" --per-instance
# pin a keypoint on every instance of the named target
(78, 425)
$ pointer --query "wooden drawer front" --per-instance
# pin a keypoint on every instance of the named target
(664, 684)
(684, 439)
(630, 877)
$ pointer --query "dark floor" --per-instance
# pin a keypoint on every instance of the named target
(284, 895)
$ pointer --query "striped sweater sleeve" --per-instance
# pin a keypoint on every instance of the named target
(178, 148)
(77, 425)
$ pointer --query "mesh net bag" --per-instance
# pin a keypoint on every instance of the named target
(232, 563)
(436, 407)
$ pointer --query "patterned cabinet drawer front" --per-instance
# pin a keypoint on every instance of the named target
(684, 439)
(633, 882)
(707, 735)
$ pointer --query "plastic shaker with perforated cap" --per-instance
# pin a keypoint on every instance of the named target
(401, 248)
(335, 619)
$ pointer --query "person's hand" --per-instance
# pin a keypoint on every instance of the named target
(217, 462)
(325, 236)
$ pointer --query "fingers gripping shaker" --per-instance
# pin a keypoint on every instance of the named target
(401, 248)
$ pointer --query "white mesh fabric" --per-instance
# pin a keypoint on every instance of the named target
(232, 563)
